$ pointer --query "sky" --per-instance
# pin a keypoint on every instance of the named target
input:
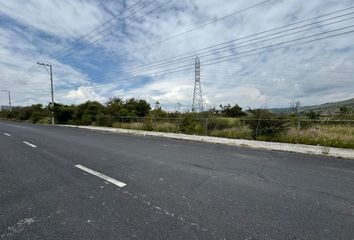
(252, 53)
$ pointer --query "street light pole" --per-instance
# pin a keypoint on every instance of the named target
(9, 93)
(51, 85)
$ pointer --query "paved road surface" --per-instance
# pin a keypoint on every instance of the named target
(174, 189)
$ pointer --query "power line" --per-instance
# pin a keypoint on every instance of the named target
(27, 75)
(212, 61)
(211, 52)
(281, 43)
(160, 6)
(278, 75)
(253, 52)
(88, 41)
(66, 48)
(61, 52)
(203, 25)
(82, 44)
(196, 52)
(186, 56)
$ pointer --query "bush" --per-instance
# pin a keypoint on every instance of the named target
(45, 120)
(129, 107)
(148, 124)
(189, 125)
(36, 117)
(24, 114)
(231, 111)
(264, 123)
(223, 123)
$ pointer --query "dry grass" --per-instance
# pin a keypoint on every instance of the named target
(164, 127)
(136, 126)
(237, 133)
(325, 135)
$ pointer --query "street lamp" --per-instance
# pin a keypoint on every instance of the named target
(9, 93)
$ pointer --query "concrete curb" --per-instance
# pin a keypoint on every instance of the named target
(287, 147)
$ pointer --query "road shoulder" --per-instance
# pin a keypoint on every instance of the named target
(287, 147)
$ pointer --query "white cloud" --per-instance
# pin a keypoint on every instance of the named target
(82, 94)
(64, 18)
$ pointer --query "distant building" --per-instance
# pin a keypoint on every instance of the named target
(4, 108)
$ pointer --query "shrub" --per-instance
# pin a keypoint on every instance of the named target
(36, 116)
(189, 125)
(45, 120)
(231, 111)
(265, 123)
(223, 123)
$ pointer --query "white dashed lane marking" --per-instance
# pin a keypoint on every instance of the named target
(7, 134)
(29, 144)
(102, 176)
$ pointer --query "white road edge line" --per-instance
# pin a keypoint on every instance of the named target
(29, 144)
(100, 175)
(7, 134)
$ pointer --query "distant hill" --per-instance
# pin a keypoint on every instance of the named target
(326, 108)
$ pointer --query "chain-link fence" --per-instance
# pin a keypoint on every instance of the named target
(326, 132)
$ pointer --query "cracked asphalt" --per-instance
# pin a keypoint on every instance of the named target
(174, 189)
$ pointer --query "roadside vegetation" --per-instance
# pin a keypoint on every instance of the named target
(336, 130)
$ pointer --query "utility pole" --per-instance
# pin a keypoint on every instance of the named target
(197, 94)
(51, 85)
(9, 93)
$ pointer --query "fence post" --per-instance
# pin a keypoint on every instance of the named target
(298, 130)
(179, 125)
(206, 127)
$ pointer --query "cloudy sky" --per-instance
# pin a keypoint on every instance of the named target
(254, 53)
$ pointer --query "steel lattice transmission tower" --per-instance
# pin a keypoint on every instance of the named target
(197, 95)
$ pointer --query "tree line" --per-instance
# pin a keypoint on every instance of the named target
(262, 122)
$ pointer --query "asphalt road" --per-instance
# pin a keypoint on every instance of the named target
(174, 189)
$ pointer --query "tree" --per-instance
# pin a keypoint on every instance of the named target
(88, 112)
(137, 107)
(344, 110)
(63, 113)
(115, 107)
(130, 107)
(158, 112)
(231, 111)
(313, 115)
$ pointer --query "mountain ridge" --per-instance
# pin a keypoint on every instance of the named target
(325, 108)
